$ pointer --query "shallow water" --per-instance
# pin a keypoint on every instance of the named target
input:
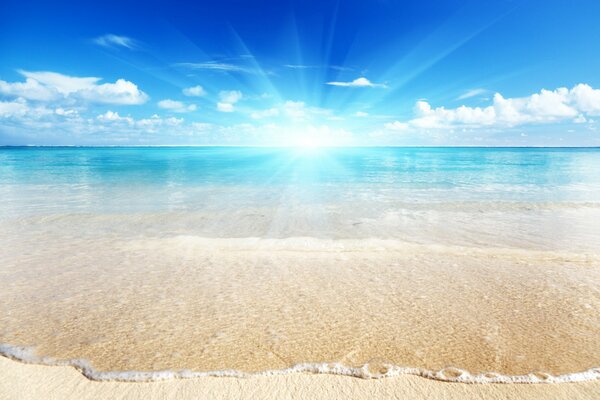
(257, 259)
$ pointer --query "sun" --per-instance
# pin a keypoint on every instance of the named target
(310, 142)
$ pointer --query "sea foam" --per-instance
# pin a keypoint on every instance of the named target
(450, 374)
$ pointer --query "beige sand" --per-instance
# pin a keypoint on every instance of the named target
(20, 381)
(218, 304)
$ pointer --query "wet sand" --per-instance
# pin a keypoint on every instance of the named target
(24, 382)
(256, 304)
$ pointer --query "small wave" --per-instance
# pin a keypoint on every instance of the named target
(370, 245)
(451, 374)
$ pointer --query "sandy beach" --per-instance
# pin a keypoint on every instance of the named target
(298, 291)
(21, 381)
(257, 304)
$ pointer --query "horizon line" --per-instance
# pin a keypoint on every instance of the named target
(292, 146)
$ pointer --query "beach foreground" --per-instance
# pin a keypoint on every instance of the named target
(252, 305)
(177, 264)
(25, 381)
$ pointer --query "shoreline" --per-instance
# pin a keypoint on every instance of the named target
(30, 381)
(27, 355)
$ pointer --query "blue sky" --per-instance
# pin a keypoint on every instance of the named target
(491, 73)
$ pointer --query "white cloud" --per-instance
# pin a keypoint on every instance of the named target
(230, 96)
(66, 112)
(471, 93)
(60, 83)
(546, 106)
(16, 108)
(271, 112)
(586, 98)
(21, 120)
(358, 82)
(228, 99)
(30, 89)
(295, 109)
(111, 40)
(194, 91)
(441, 117)
(176, 106)
(225, 107)
(111, 116)
(396, 126)
(20, 108)
(52, 86)
(154, 122)
(361, 114)
(121, 92)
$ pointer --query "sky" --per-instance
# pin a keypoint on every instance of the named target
(300, 73)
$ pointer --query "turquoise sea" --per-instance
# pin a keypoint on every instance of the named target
(519, 195)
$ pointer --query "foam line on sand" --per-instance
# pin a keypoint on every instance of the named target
(28, 355)
(34, 381)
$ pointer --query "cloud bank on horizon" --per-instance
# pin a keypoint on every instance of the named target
(291, 73)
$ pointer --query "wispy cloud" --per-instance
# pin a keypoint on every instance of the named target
(471, 93)
(111, 40)
(299, 66)
(358, 82)
(216, 66)
(302, 66)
